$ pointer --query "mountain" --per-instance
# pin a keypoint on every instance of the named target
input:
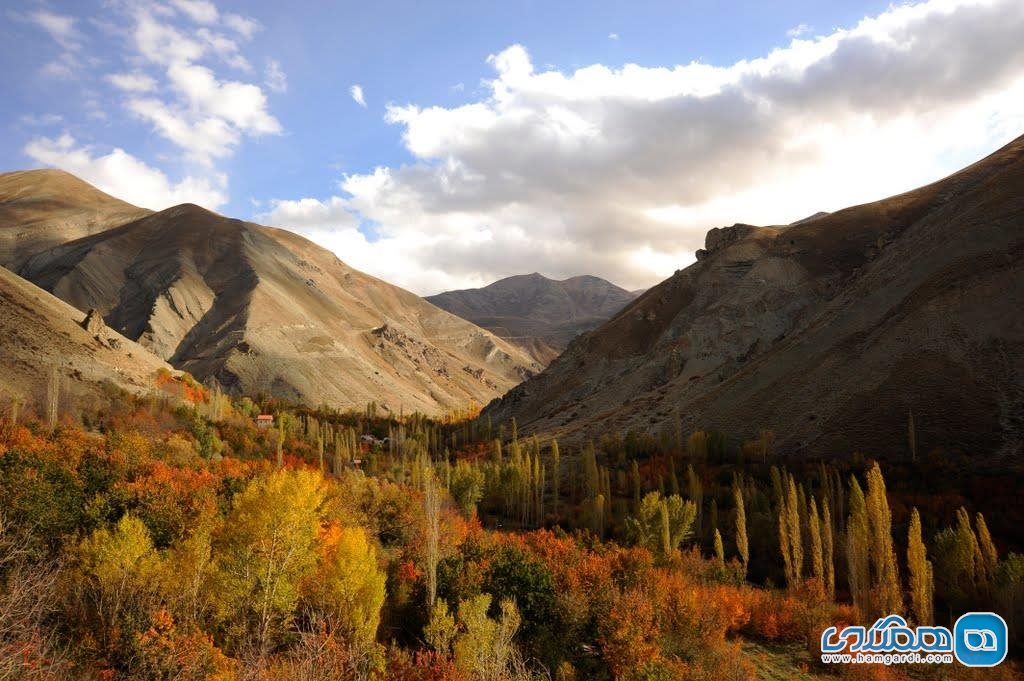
(539, 314)
(42, 334)
(44, 208)
(263, 310)
(829, 332)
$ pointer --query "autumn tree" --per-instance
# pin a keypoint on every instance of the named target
(857, 545)
(346, 591)
(661, 525)
(742, 545)
(920, 569)
(432, 516)
(790, 538)
(263, 553)
(886, 590)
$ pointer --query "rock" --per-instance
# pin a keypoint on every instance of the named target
(93, 323)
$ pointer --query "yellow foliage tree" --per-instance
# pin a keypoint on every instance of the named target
(263, 553)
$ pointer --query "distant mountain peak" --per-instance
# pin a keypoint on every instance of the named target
(538, 313)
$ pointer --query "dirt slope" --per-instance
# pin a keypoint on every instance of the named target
(44, 208)
(827, 332)
(41, 333)
(263, 310)
(540, 315)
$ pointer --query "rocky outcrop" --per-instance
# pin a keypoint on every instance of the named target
(827, 332)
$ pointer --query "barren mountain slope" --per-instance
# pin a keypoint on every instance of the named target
(539, 314)
(41, 333)
(828, 332)
(44, 208)
(264, 310)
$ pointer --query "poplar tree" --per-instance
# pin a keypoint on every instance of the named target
(828, 550)
(795, 537)
(989, 555)
(817, 556)
(432, 514)
(719, 550)
(696, 491)
(556, 474)
(857, 566)
(920, 569)
(741, 525)
(886, 588)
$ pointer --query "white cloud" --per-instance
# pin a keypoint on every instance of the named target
(619, 172)
(41, 120)
(357, 95)
(132, 82)
(613, 36)
(243, 26)
(225, 48)
(122, 175)
(169, 74)
(304, 214)
(799, 30)
(199, 11)
(274, 77)
(61, 28)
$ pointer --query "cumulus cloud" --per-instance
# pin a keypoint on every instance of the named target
(619, 172)
(122, 175)
(357, 95)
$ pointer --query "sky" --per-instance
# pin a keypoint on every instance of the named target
(445, 145)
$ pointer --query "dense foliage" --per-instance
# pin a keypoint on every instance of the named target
(171, 538)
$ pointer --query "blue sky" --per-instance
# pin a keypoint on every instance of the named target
(498, 138)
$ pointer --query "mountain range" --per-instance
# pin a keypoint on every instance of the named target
(260, 310)
(539, 314)
(866, 329)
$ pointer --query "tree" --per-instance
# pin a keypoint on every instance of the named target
(467, 487)
(115, 571)
(346, 591)
(696, 492)
(989, 555)
(486, 651)
(432, 515)
(719, 550)
(920, 569)
(828, 550)
(556, 474)
(857, 565)
(742, 545)
(790, 538)
(661, 525)
(888, 597)
(441, 630)
(263, 553)
(817, 554)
